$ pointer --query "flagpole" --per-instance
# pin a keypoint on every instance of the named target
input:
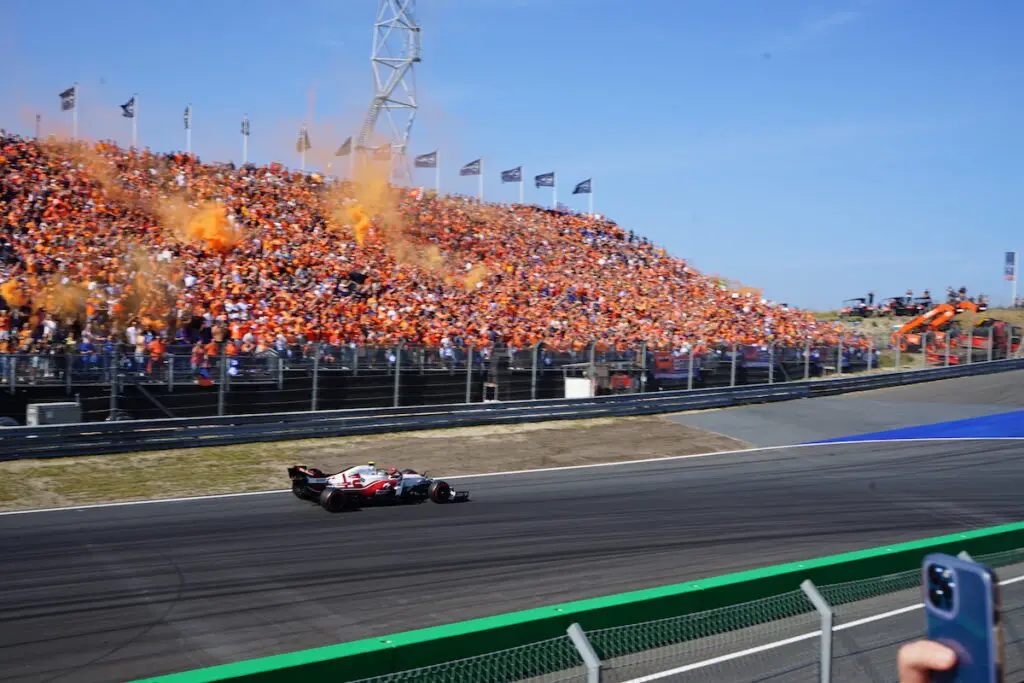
(1013, 291)
(135, 120)
(74, 116)
(554, 193)
(245, 140)
(39, 120)
(352, 162)
(437, 173)
(480, 192)
(522, 184)
(188, 132)
(590, 199)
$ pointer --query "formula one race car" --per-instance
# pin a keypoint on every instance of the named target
(365, 485)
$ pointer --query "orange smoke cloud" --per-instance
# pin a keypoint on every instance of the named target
(66, 299)
(361, 222)
(211, 225)
(475, 276)
(12, 294)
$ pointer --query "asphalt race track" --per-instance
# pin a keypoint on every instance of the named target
(781, 424)
(119, 593)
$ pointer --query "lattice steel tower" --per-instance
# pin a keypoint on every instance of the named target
(396, 50)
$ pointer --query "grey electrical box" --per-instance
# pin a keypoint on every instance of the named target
(53, 414)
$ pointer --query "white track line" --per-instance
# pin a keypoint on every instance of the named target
(790, 641)
(670, 458)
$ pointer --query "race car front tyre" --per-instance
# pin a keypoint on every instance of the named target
(334, 500)
(440, 492)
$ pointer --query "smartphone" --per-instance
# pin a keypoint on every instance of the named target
(961, 602)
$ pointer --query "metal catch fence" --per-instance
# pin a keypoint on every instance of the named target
(127, 383)
(840, 632)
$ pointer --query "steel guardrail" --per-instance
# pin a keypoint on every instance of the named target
(94, 438)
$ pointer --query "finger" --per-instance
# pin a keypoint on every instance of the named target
(916, 659)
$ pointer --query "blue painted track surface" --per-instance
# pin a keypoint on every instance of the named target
(1003, 425)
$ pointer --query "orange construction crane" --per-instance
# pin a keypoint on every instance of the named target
(909, 336)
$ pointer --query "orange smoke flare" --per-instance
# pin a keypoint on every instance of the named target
(357, 214)
(212, 226)
(12, 294)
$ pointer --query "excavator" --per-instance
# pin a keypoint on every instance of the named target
(988, 339)
(934, 323)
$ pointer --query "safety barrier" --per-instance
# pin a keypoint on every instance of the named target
(119, 437)
(532, 643)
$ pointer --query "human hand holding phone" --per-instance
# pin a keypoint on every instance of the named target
(916, 661)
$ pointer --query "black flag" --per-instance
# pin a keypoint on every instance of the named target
(188, 117)
(426, 160)
(345, 149)
(472, 168)
(245, 126)
(513, 175)
(544, 180)
(128, 108)
(68, 97)
(583, 188)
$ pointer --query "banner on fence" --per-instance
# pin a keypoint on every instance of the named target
(669, 366)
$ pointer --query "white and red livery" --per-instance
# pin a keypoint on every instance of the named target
(368, 484)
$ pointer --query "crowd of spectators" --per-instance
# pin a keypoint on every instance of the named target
(87, 256)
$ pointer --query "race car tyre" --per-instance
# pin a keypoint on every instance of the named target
(299, 489)
(334, 500)
(440, 492)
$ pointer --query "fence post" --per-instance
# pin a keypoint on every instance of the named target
(871, 351)
(771, 363)
(825, 610)
(924, 350)
(991, 342)
(222, 385)
(12, 369)
(839, 358)
(592, 366)
(280, 371)
(970, 345)
(355, 359)
(533, 371)
(807, 360)
(732, 367)
(586, 650)
(114, 365)
(469, 374)
(398, 372)
(899, 351)
(69, 364)
(643, 367)
(947, 348)
(689, 375)
(316, 376)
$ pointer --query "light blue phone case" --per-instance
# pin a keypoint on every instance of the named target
(969, 622)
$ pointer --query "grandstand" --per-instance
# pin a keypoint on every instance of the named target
(103, 244)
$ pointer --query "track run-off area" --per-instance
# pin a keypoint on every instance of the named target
(115, 593)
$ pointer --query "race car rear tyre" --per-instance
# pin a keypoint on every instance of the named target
(334, 500)
(440, 492)
(299, 489)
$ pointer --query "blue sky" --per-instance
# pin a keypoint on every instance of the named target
(815, 149)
